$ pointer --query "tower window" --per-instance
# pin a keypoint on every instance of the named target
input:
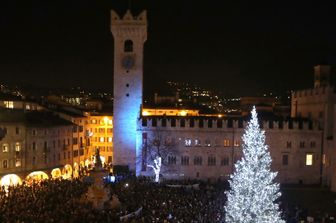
(128, 46)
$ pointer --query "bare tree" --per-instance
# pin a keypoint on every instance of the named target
(157, 147)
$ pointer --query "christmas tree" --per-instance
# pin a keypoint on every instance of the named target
(253, 194)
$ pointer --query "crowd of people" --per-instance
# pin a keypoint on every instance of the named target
(139, 200)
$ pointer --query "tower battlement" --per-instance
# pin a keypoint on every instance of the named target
(219, 123)
(314, 92)
(129, 25)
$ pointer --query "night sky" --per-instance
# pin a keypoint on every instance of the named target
(238, 47)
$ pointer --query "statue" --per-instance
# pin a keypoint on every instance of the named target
(98, 164)
(97, 193)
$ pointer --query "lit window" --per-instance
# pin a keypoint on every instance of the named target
(226, 142)
(5, 148)
(207, 142)
(93, 121)
(324, 159)
(101, 139)
(9, 104)
(309, 159)
(18, 163)
(5, 164)
(110, 139)
(197, 142)
(17, 147)
(236, 143)
(187, 142)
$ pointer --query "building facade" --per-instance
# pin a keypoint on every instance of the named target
(208, 148)
(33, 141)
(318, 104)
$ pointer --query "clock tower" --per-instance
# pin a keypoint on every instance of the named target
(129, 33)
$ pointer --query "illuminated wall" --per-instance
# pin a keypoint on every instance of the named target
(129, 34)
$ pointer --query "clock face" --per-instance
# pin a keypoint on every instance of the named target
(128, 62)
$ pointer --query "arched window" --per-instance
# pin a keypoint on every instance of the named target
(128, 46)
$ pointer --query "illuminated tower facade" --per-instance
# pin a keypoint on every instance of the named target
(130, 34)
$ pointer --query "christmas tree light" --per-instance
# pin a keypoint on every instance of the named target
(253, 194)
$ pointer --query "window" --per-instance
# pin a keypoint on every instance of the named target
(80, 128)
(17, 147)
(323, 159)
(171, 160)
(320, 114)
(217, 142)
(312, 144)
(207, 142)
(101, 139)
(34, 146)
(169, 141)
(285, 159)
(5, 148)
(289, 145)
(74, 141)
(5, 164)
(182, 123)
(17, 130)
(197, 142)
(164, 122)
(226, 142)
(200, 123)
(17, 163)
(128, 46)
(185, 160)
(187, 142)
(34, 132)
(9, 104)
(211, 161)
(109, 139)
(74, 129)
(236, 143)
(93, 121)
(225, 161)
(173, 123)
(309, 159)
(198, 161)
(34, 160)
(302, 144)
(209, 123)
(192, 123)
